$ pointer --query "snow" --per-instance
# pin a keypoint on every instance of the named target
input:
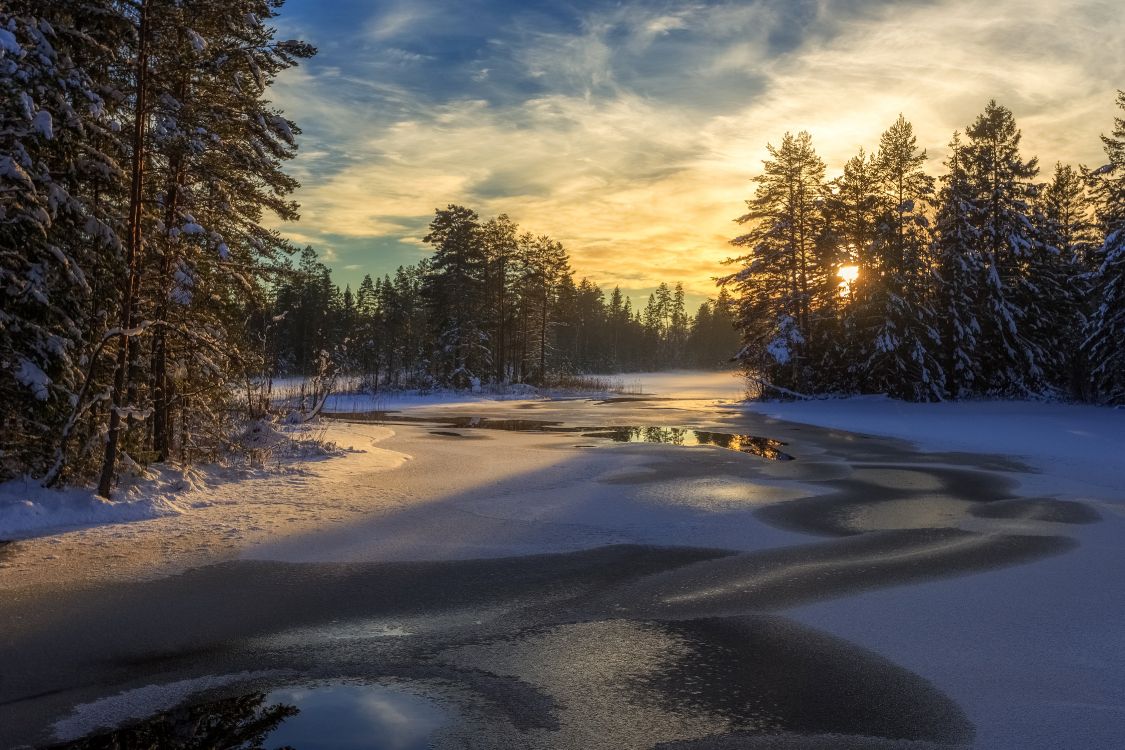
(44, 124)
(143, 702)
(1076, 451)
(1034, 654)
(279, 467)
(28, 509)
(689, 385)
(198, 43)
(30, 376)
(11, 170)
(8, 43)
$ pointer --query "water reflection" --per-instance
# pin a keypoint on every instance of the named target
(358, 717)
(338, 716)
(241, 723)
(753, 444)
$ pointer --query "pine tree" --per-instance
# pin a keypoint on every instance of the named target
(779, 277)
(544, 264)
(501, 247)
(1105, 340)
(59, 187)
(1012, 350)
(1067, 239)
(901, 341)
(455, 294)
(956, 249)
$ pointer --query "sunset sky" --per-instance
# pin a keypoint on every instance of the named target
(630, 130)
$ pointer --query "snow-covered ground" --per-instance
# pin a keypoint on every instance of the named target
(1034, 654)
(723, 386)
(1077, 451)
(296, 456)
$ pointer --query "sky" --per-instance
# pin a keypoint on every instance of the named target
(631, 130)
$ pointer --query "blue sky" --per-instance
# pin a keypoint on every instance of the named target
(629, 130)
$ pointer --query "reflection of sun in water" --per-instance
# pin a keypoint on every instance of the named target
(847, 275)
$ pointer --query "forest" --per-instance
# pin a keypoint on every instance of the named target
(140, 163)
(491, 304)
(147, 302)
(987, 282)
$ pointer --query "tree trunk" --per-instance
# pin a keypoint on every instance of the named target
(132, 270)
(162, 390)
(543, 339)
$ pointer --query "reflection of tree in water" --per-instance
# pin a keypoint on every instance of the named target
(669, 435)
(752, 444)
(240, 723)
(758, 446)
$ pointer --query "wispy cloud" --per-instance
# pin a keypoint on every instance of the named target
(630, 130)
(397, 18)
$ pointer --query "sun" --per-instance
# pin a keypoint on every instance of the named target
(848, 274)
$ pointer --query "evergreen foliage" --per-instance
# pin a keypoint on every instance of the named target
(490, 305)
(138, 156)
(1104, 344)
(978, 289)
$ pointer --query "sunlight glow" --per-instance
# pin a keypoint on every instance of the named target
(847, 276)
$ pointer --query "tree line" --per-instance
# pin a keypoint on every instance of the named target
(490, 305)
(147, 305)
(986, 282)
(138, 156)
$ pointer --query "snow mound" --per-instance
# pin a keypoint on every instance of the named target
(28, 509)
(143, 702)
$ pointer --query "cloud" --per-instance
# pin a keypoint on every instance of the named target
(396, 19)
(630, 130)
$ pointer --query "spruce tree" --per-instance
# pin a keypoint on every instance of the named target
(1061, 268)
(956, 251)
(455, 295)
(1012, 347)
(1104, 344)
(845, 342)
(779, 276)
(901, 340)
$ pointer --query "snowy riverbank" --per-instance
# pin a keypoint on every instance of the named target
(301, 454)
(1075, 450)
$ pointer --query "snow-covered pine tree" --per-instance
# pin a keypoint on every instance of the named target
(59, 192)
(205, 150)
(216, 149)
(899, 327)
(1067, 241)
(1105, 339)
(455, 295)
(1011, 351)
(957, 255)
(851, 208)
(779, 276)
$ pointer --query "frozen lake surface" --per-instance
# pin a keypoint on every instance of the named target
(629, 572)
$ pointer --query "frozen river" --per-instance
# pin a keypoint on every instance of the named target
(658, 570)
